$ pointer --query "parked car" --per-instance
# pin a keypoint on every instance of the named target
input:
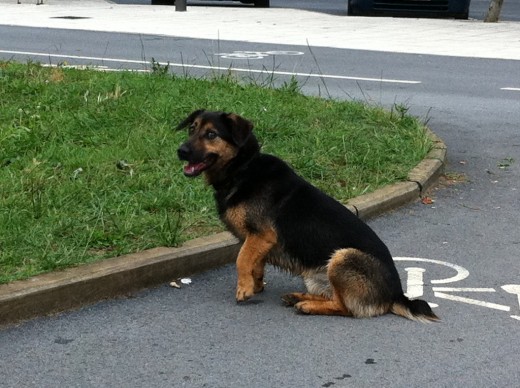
(458, 9)
(256, 3)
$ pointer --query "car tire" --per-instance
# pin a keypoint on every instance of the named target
(463, 16)
(163, 2)
(349, 9)
(262, 3)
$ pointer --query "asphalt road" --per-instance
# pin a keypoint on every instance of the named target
(465, 247)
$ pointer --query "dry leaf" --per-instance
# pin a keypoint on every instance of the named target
(427, 201)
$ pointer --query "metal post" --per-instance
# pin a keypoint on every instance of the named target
(180, 5)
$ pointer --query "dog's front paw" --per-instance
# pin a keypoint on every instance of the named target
(244, 294)
(259, 285)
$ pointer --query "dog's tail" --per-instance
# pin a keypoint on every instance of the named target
(416, 310)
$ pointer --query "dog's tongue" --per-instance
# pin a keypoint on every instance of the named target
(193, 169)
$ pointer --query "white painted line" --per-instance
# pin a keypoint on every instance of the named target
(515, 317)
(208, 67)
(93, 67)
(329, 76)
(462, 273)
(463, 289)
(472, 301)
(64, 56)
(255, 54)
(414, 282)
(512, 289)
(511, 89)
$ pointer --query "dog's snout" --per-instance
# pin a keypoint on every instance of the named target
(184, 152)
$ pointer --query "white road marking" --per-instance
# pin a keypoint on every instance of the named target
(515, 290)
(414, 282)
(208, 67)
(462, 273)
(415, 285)
(511, 89)
(463, 289)
(472, 301)
(93, 67)
(255, 54)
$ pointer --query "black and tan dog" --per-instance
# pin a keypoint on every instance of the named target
(285, 221)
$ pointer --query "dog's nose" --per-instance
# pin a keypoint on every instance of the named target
(184, 152)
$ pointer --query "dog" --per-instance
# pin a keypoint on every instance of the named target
(283, 220)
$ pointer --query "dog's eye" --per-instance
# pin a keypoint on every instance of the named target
(210, 135)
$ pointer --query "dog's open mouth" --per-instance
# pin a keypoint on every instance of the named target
(194, 169)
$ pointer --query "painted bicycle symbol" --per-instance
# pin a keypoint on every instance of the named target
(256, 54)
(415, 285)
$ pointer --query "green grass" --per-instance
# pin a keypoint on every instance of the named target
(88, 165)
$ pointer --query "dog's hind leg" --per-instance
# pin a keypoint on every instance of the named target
(315, 304)
(361, 284)
(322, 306)
(295, 297)
(319, 299)
(358, 287)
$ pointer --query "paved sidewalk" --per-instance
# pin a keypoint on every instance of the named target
(467, 38)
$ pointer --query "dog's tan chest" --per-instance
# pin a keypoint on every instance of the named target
(235, 220)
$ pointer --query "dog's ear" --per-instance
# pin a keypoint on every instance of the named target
(189, 120)
(240, 128)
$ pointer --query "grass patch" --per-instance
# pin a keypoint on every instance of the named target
(88, 165)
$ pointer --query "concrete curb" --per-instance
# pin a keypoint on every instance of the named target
(59, 291)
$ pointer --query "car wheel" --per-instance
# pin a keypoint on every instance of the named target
(349, 9)
(163, 2)
(464, 15)
(262, 3)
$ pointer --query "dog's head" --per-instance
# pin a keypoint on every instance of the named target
(215, 139)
